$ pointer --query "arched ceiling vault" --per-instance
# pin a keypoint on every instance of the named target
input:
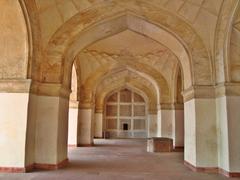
(55, 42)
(153, 76)
(81, 31)
(125, 78)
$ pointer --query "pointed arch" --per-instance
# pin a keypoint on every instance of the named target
(81, 31)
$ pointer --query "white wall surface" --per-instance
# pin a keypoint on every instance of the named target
(201, 133)
(166, 123)
(51, 130)
(13, 122)
(233, 114)
(222, 126)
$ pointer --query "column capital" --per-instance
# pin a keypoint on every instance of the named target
(166, 106)
(50, 89)
(98, 110)
(15, 85)
(199, 92)
(73, 104)
(152, 111)
(178, 106)
(85, 105)
(228, 89)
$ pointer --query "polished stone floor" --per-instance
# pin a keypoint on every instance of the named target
(119, 160)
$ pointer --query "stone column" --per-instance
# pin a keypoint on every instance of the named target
(98, 123)
(228, 119)
(85, 125)
(166, 120)
(178, 126)
(51, 105)
(14, 131)
(73, 123)
(200, 149)
(152, 123)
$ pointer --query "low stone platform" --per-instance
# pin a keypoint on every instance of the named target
(160, 144)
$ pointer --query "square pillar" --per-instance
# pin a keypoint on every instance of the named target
(85, 127)
(98, 124)
(200, 146)
(200, 149)
(51, 132)
(152, 124)
(166, 120)
(228, 119)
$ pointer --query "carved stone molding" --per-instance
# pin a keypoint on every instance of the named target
(199, 92)
(86, 105)
(73, 104)
(15, 85)
(50, 89)
(208, 92)
(228, 89)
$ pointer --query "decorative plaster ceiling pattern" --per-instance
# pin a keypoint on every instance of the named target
(127, 41)
(112, 19)
(127, 46)
(162, 61)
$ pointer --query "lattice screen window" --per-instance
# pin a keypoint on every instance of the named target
(126, 112)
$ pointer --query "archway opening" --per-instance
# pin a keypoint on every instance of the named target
(73, 111)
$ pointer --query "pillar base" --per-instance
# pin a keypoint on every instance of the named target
(85, 145)
(72, 145)
(201, 169)
(51, 166)
(34, 166)
(229, 174)
(215, 170)
(17, 169)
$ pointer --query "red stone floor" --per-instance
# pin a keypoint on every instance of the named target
(119, 160)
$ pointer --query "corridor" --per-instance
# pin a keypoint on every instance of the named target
(118, 160)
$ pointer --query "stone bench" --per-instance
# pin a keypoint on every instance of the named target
(159, 144)
(106, 135)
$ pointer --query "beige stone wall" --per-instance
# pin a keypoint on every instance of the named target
(14, 47)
